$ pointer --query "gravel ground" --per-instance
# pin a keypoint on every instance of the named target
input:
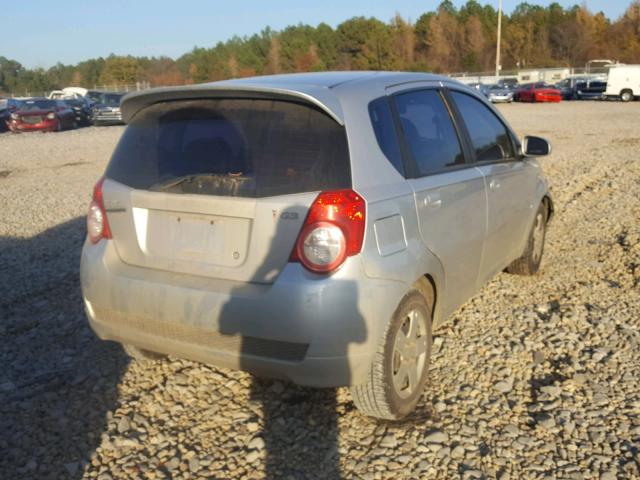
(533, 377)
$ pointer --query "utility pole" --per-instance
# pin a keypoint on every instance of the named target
(499, 35)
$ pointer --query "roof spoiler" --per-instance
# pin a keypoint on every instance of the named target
(318, 96)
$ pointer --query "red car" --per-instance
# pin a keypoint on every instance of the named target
(41, 114)
(538, 92)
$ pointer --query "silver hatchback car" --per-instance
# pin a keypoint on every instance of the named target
(314, 227)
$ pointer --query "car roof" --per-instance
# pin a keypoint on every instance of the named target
(325, 90)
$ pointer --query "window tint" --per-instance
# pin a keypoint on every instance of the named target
(232, 147)
(429, 131)
(385, 131)
(489, 136)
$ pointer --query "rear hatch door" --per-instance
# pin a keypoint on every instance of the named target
(221, 187)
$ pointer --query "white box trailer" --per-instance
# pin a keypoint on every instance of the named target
(623, 82)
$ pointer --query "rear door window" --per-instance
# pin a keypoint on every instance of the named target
(429, 131)
(232, 147)
(490, 138)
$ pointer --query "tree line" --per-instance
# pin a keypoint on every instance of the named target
(445, 41)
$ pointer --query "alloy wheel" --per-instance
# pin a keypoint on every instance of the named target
(409, 354)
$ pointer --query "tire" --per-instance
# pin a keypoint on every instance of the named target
(529, 262)
(396, 383)
(626, 95)
(140, 354)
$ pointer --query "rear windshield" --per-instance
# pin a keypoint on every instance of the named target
(232, 147)
(111, 99)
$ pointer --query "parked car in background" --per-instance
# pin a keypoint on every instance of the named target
(499, 94)
(107, 109)
(623, 82)
(581, 88)
(538, 92)
(315, 227)
(81, 108)
(41, 114)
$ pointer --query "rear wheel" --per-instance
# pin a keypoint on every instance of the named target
(399, 369)
(139, 354)
(529, 262)
(626, 95)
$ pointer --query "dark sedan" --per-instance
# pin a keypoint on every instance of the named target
(107, 110)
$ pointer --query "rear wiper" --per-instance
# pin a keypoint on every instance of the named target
(189, 178)
(172, 183)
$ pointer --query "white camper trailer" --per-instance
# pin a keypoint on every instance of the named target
(623, 82)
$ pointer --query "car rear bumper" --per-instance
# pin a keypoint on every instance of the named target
(314, 330)
(107, 121)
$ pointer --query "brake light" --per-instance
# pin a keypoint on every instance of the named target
(97, 223)
(332, 231)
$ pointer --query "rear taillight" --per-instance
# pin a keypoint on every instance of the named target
(333, 231)
(97, 224)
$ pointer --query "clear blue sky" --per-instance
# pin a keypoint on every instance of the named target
(40, 33)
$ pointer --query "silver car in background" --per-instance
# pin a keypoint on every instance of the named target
(315, 227)
(499, 94)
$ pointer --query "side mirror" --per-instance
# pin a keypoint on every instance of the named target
(535, 147)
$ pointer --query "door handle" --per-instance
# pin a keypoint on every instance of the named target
(432, 200)
(494, 184)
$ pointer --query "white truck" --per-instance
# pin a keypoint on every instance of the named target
(623, 82)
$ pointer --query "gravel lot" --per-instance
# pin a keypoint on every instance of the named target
(533, 378)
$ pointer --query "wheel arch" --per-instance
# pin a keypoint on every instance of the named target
(431, 284)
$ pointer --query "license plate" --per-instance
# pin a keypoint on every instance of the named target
(198, 236)
(31, 119)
